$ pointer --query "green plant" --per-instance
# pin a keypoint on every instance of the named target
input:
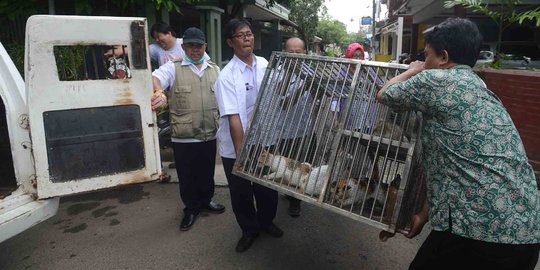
(331, 52)
(305, 14)
(16, 52)
(69, 61)
(332, 31)
(14, 8)
(531, 15)
(505, 16)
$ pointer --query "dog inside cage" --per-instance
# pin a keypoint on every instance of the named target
(318, 134)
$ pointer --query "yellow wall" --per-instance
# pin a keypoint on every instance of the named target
(420, 41)
(383, 57)
(383, 49)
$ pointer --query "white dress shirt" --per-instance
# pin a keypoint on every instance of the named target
(236, 89)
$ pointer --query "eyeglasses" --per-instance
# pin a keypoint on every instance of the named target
(247, 35)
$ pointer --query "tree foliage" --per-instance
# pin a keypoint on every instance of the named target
(354, 37)
(14, 8)
(504, 16)
(305, 13)
(332, 32)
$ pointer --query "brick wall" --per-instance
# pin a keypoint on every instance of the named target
(519, 90)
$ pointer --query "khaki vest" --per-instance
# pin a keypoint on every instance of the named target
(192, 104)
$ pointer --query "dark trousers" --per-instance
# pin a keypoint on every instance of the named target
(444, 250)
(195, 164)
(254, 206)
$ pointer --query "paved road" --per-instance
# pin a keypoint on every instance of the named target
(136, 227)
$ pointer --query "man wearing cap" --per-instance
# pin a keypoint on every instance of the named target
(193, 115)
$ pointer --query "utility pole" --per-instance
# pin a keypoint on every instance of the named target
(373, 23)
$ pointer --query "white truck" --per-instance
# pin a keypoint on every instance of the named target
(75, 124)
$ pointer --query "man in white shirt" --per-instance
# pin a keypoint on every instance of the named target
(236, 92)
(297, 121)
(193, 115)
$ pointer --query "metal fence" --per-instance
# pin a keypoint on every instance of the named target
(318, 134)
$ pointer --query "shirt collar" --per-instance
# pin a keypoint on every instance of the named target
(461, 66)
(186, 63)
(243, 65)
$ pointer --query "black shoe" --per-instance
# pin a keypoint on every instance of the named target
(273, 231)
(245, 243)
(214, 207)
(294, 207)
(187, 221)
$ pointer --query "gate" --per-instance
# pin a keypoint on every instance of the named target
(318, 134)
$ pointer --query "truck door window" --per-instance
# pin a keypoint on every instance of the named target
(92, 62)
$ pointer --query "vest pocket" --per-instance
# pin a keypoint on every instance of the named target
(182, 97)
(182, 125)
(183, 89)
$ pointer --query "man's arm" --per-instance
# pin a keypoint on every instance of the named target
(418, 221)
(156, 84)
(414, 68)
(158, 97)
(154, 54)
(165, 75)
(162, 78)
(237, 132)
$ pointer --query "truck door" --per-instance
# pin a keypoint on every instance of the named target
(89, 111)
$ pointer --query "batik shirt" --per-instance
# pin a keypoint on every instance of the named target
(480, 184)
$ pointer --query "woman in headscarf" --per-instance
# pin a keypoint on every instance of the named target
(357, 120)
(355, 51)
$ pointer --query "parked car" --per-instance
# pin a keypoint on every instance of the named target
(514, 61)
(485, 57)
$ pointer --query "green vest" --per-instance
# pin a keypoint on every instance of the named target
(192, 104)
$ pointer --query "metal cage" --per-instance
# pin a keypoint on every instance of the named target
(318, 134)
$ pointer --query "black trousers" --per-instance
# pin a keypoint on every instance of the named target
(254, 206)
(444, 250)
(195, 164)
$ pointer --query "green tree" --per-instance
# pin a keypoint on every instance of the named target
(332, 32)
(14, 8)
(354, 37)
(305, 14)
(506, 14)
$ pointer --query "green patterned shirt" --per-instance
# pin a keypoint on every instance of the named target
(480, 184)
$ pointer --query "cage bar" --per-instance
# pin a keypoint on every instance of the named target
(318, 134)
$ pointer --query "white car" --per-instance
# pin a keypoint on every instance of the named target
(485, 57)
(70, 131)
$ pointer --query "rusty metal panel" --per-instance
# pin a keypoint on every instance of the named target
(318, 134)
(65, 74)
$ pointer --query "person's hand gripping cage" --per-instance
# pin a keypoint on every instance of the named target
(159, 100)
(159, 104)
